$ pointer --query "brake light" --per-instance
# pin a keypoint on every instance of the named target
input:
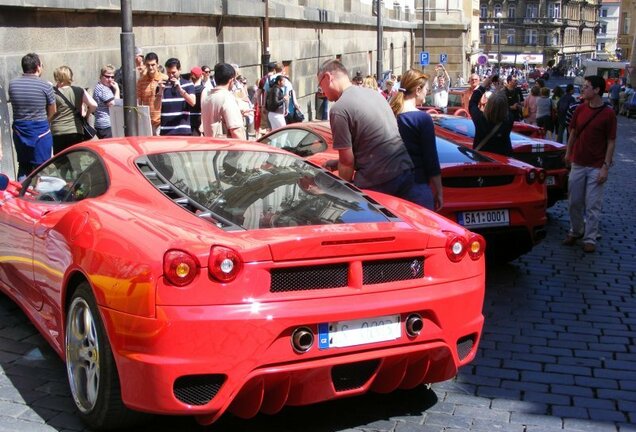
(541, 176)
(476, 247)
(179, 267)
(531, 176)
(456, 247)
(224, 264)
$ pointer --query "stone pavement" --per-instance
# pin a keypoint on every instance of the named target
(557, 354)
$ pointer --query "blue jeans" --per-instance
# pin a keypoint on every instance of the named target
(404, 186)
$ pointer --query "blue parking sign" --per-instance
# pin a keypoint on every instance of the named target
(443, 58)
(424, 58)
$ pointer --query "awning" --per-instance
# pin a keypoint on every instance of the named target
(517, 59)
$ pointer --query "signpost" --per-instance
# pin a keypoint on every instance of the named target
(424, 58)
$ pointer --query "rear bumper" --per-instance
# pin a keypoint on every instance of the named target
(241, 358)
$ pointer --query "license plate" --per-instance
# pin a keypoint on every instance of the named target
(484, 218)
(550, 181)
(340, 334)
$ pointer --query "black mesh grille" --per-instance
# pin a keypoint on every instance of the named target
(309, 278)
(354, 375)
(477, 182)
(375, 272)
(197, 389)
(464, 345)
(545, 160)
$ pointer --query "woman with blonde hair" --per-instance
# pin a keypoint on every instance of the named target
(370, 82)
(493, 125)
(418, 134)
(72, 103)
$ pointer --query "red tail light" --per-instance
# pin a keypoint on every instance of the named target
(531, 176)
(456, 247)
(179, 267)
(541, 176)
(224, 264)
(476, 247)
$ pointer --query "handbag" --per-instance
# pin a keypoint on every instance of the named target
(88, 130)
(294, 117)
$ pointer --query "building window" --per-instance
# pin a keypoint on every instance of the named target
(483, 11)
(482, 37)
(532, 10)
(510, 38)
(530, 37)
(495, 36)
(555, 39)
(603, 29)
(497, 10)
(600, 46)
(554, 10)
(512, 10)
(604, 12)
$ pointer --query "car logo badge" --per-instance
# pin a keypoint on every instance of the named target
(480, 181)
(540, 161)
(416, 268)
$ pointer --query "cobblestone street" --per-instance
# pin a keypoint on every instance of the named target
(558, 350)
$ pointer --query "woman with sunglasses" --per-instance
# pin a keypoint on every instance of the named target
(105, 93)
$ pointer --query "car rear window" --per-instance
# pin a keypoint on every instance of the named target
(451, 153)
(257, 189)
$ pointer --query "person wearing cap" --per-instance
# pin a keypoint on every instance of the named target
(148, 89)
(196, 74)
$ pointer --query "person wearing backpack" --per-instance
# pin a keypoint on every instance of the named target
(276, 102)
(562, 110)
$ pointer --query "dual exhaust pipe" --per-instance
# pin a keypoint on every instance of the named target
(302, 338)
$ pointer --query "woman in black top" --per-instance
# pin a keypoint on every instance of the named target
(493, 125)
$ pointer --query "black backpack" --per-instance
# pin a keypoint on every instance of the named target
(271, 102)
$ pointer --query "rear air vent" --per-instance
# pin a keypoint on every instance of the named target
(383, 271)
(354, 375)
(197, 389)
(309, 278)
(477, 181)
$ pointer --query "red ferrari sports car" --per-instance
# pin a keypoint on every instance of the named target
(540, 153)
(501, 198)
(196, 276)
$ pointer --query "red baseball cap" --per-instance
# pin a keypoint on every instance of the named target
(196, 71)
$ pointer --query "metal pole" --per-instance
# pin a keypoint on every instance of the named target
(380, 49)
(423, 27)
(499, 42)
(128, 68)
(265, 56)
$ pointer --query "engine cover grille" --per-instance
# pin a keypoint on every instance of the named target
(309, 278)
(375, 272)
(477, 181)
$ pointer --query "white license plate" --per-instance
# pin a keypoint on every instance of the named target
(550, 181)
(484, 218)
(358, 332)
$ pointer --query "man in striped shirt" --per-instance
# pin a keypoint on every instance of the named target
(33, 103)
(177, 96)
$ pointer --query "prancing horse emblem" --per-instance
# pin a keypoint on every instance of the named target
(416, 268)
(480, 181)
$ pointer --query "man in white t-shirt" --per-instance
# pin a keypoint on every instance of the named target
(440, 89)
(220, 113)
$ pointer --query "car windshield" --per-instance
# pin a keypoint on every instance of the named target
(451, 153)
(467, 128)
(257, 189)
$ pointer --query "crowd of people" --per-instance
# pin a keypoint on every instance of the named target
(384, 142)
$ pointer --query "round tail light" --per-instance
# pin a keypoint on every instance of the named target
(541, 176)
(179, 267)
(224, 264)
(456, 247)
(476, 247)
(531, 176)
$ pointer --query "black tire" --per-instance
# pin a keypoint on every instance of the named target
(90, 366)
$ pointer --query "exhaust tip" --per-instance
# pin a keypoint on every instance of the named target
(302, 339)
(414, 325)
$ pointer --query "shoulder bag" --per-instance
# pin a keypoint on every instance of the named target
(487, 137)
(89, 131)
(297, 116)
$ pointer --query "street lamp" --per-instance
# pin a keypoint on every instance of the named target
(489, 27)
(499, 15)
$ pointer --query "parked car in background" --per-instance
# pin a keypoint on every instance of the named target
(458, 98)
(190, 276)
(501, 198)
(541, 153)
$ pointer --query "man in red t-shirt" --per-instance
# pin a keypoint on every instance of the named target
(590, 151)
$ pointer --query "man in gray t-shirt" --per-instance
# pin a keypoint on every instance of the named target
(365, 134)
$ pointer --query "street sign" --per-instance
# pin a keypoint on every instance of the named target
(482, 59)
(443, 58)
(424, 58)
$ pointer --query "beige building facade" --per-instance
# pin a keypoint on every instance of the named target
(539, 32)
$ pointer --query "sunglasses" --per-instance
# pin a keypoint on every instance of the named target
(108, 76)
(206, 71)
